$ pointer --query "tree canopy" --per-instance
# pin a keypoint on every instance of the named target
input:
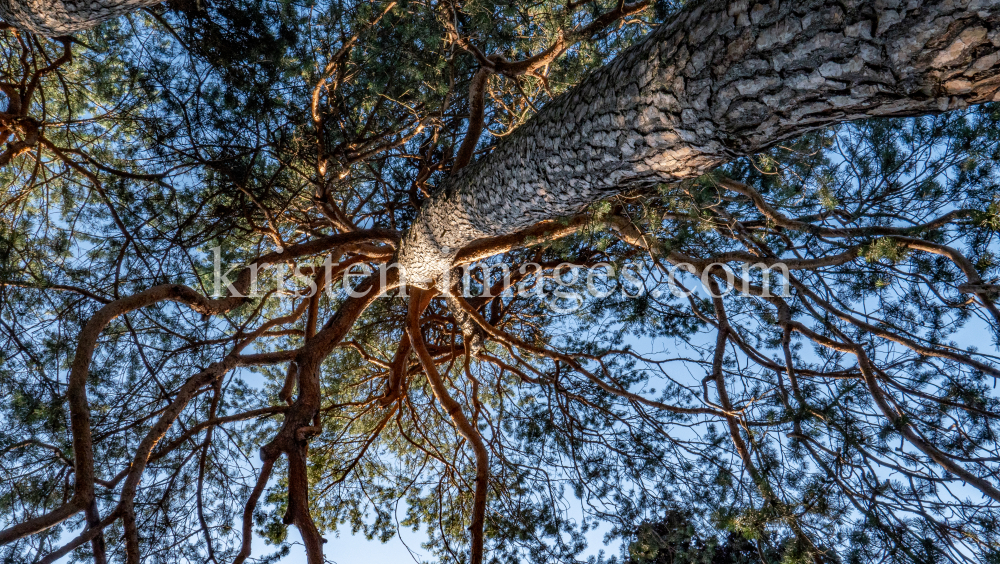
(791, 355)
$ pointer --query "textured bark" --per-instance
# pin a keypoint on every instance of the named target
(498, 64)
(724, 79)
(63, 17)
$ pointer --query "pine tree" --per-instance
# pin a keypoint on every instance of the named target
(838, 403)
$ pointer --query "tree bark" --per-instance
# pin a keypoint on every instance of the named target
(724, 79)
(63, 17)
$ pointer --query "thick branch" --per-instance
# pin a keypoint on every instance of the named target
(465, 428)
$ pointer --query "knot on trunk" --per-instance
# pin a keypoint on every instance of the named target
(306, 433)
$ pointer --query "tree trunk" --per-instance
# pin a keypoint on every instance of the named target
(724, 79)
(63, 17)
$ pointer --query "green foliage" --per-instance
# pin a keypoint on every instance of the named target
(884, 249)
(674, 539)
(183, 130)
